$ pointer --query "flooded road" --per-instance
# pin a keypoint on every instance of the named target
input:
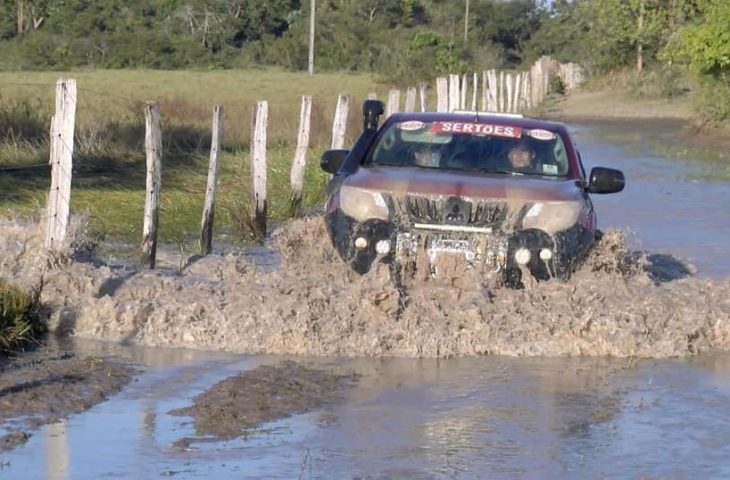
(669, 205)
(476, 417)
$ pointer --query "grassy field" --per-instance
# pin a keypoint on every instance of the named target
(109, 162)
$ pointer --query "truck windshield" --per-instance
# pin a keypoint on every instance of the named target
(472, 146)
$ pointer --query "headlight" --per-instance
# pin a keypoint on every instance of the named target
(362, 204)
(552, 217)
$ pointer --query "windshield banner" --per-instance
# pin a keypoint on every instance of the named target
(480, 129)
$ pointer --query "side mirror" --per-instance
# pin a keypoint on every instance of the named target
(371, 112)
(332, 160)
(606, 180)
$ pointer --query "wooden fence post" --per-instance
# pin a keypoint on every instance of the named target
(58, 208)
(442, 94)
(410, 100)
(206, 231)
(300, 156)
(485, 103)
(423, 88)
(501, 91)
(462, 92)
(492, 98)
(258, 167)
(153, 150)
(533, 84)
(508, 105)
(525, 91)
(393, 105)
(339, 126)
(454, 95)
(474, 93)
(516, 102)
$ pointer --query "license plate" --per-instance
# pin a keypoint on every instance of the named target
(443, 246)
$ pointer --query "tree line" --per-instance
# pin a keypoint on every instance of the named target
(401, 40)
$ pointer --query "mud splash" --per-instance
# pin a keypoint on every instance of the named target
(619, 304)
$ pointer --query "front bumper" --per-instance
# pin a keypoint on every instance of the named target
(493, 254)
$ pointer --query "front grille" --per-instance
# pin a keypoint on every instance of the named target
(452, 211)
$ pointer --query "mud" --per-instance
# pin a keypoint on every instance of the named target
(238, 404)
(620, 303)
(46, 385)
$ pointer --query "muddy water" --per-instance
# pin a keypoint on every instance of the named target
(669, 206)
(466, 416)
(494, 417)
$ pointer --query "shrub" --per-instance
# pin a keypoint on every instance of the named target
(713, 102)
(19, 320)
(556, 85)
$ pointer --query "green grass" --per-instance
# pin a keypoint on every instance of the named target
(109, 161)
(19, 322)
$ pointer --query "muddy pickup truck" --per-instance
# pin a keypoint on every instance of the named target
(506, 196)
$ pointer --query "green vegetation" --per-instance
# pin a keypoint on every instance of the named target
(19, 321)
(401, 41)
(356, 35)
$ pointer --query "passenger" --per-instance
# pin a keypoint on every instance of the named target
(521, 158)
(426, 155)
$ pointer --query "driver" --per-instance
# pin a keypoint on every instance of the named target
(521, 158)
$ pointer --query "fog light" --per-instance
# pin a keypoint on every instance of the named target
(546, 254)
(360, 243)
(523, 256)
(383, 247)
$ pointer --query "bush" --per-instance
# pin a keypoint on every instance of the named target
(427, 55)
(713, 102)
(556, 85)
(19, 322)
(664, 82)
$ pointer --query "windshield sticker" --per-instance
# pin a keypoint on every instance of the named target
(539, 134)
(411, 125)
(551, 169)
(479, 129)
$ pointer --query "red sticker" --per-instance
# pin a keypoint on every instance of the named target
(477, 129)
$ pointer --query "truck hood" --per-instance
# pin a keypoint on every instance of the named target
(474, 185)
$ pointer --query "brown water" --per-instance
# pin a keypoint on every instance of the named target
(449, 412)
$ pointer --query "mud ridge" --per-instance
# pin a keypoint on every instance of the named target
(240, 403)
(44, 386)
(620, 303)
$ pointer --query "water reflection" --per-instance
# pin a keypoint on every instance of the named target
(57, 451)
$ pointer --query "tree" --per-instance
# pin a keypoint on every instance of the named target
(705, 44)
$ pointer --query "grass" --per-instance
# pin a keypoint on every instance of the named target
(109, 161)
(19, 322)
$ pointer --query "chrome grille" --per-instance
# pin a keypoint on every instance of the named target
(452, 211)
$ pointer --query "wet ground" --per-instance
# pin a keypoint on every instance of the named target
(449, 413)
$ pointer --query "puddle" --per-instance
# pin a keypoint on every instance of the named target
(499, 417)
